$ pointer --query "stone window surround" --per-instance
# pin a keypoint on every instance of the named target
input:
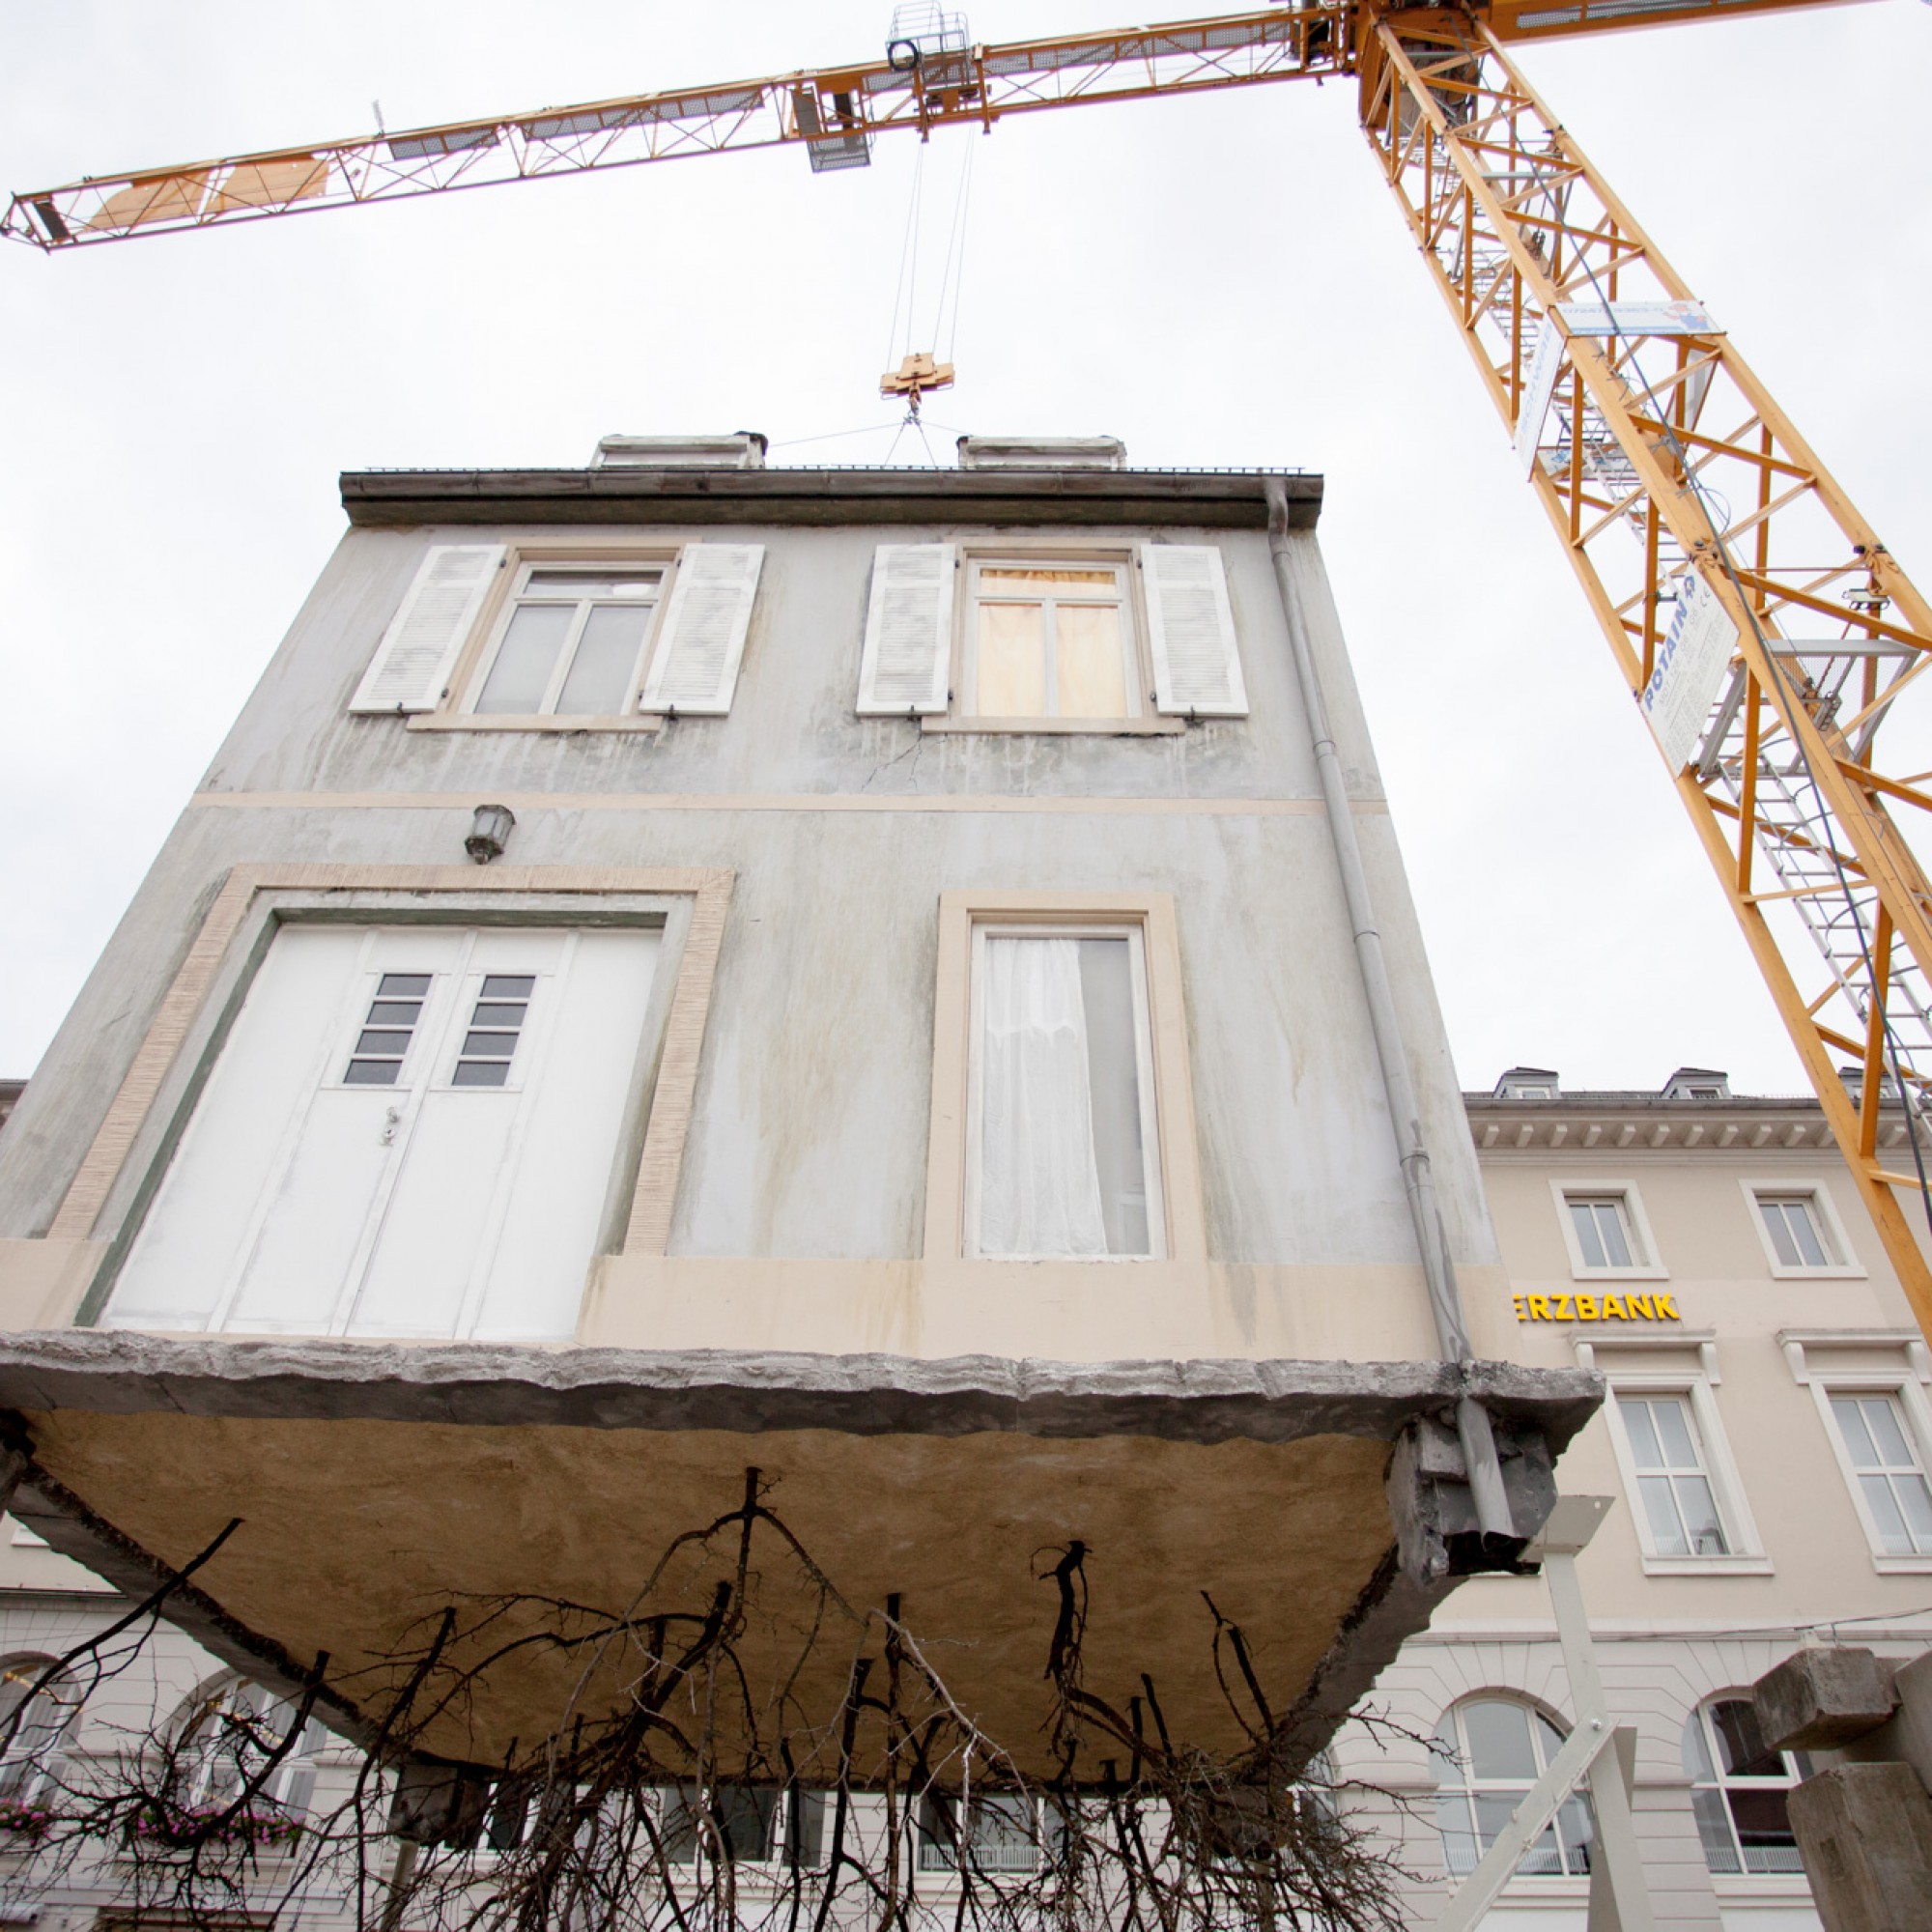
(1042, 550)
(1583, 1187)
(1809, 1354)
(1837, 1239)
(255, 898)
(1747, 1555)
(1173, 1091)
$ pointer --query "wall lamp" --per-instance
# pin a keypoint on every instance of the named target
(489, 832)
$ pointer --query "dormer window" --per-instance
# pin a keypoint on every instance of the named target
(1528, 1083)
(1697, 1083)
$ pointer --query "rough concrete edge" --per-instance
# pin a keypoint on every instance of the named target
(1393, 1607)
(52, 1511)
(119, 1371)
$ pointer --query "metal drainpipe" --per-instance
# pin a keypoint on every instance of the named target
(1438, 1268)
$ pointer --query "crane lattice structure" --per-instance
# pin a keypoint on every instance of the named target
(1767, 630)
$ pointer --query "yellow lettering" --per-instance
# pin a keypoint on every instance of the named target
(1666, 1308)
(1639, 1305)
(1521, 1313)
(1539, 1308)
(1562, 1308)
(1586, 1308)
(1614, 1309)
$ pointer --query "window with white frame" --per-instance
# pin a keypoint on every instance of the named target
(992, 1832)
(487, 637)
(571, 641)
(1667, 1455)
(241, 1743)
(1888, 1470)
(1797, 1230)
(1740, 1790)
(1604, 1231)
(1489, 1750)
(1063, 1147)
(1050, 638)
(743, 1824)
(1602, 1226)
(40, 1711)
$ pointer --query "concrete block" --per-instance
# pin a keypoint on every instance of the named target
(439, 1804)
(1865, 1834)
(1823, 1696)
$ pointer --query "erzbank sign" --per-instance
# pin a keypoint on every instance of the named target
(1652, 1307)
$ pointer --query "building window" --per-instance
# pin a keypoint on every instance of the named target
(1050, 639)
(1064, 1156)
(383, 1041)
(486, 637)
(743, 1824)
(1740, 1790)
(233, 1743)
(1489, 1751)
(1606, 1231)
(43, 1713)
(1001, 1832)
(495, 1024)
(1796, 1232)
(1680, 1505)
(571, 644)
(1127, 640)
(1887, 1469)
(1602, 1226)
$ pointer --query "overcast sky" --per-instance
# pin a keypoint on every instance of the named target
(1219, 281)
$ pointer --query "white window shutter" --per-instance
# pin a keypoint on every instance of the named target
(694, 666)
(908, 660)
(1197, 665)
(419, 649)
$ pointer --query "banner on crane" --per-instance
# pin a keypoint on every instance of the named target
(1664, 318)
(1689, 670)
(1546, 365)
(1545, 362)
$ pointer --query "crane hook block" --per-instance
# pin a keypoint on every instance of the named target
(915, 377)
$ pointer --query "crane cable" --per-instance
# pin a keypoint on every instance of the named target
(1702, 493)
(905, 289)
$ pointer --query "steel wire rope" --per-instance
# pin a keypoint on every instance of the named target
(1702, 493)
(956, 252)
(905, 288)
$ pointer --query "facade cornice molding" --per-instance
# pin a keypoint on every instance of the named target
(622, 494)
(1633, 1124)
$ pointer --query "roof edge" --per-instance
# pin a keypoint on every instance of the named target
(1212, 499)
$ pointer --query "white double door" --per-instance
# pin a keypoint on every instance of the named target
(409, 1131)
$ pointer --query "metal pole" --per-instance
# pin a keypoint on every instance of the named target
(1439, 1267)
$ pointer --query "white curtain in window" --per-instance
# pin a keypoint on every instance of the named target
(1039, 1184)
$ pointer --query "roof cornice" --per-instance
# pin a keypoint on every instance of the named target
(621, 494)
(1641, 1122)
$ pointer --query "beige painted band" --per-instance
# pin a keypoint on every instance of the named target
(652, 1199)
(768, 801)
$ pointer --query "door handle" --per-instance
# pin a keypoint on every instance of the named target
(392, 1118)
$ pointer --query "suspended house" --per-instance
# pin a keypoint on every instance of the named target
(688, 974)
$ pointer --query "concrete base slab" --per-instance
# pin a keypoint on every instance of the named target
(381, 1485)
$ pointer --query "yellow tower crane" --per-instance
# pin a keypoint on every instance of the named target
(1757, 618)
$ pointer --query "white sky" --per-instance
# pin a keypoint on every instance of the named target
(1220, 281)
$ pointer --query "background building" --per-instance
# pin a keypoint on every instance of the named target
(1767, 1440)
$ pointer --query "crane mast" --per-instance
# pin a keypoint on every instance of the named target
(1697, 519)
(1763, 626)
